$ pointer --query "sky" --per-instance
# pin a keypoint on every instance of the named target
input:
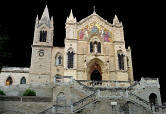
(143, 29)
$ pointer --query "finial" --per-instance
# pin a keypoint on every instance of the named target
(71, 18)
(115, 20)
(94, 9)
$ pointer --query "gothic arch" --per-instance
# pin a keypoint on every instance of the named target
(95, 64)
(70, 58)
(94, 38)
(57, 59)
(121, 60)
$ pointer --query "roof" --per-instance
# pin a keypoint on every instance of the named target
(15, 69)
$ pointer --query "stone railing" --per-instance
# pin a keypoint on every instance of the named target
(83, 86)
(83, 102)
(105, 83)
(56, 109)
(134, 98)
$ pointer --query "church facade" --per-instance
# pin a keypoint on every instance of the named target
(94, 54)
(91, 45)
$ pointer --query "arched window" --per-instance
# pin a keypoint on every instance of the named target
(9, 81)
(99, 47)
(121, 61)
(91, 47)
(23, 80)
(153, 101)
(70, 60)
(43, 36)
(58, 60)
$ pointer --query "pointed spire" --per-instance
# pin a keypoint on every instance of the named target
(52, 22)
(45, 18)
(37, 21)
(116, 21)
(45, 13)
(71, 18)
(37, 18)
(71, 15)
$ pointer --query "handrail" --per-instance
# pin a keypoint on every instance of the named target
(83, 102)
(143, 101)
(44, 111)
(140, 98)
(85, 86)
(54, 106)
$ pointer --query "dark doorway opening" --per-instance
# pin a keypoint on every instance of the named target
(96, 77)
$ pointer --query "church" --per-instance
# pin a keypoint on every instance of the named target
(91, 74)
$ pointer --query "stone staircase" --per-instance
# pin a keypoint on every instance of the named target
(136, 99)
(94, 95)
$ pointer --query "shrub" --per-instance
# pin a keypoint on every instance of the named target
(29, 92)
(1, 92)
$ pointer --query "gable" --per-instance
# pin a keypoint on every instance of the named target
(94, 25)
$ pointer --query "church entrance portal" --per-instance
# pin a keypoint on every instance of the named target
(95, 75)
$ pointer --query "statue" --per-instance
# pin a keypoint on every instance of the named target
(95, 47)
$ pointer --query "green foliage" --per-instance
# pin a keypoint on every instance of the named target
(2, 93)
(29, 92)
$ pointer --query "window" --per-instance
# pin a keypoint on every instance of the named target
(23, 80)
(9, 81)
(59, 60)
(99, 47)
(91, 47)
(43, 36)
(95, 47)
(121, 61)
(70, 59)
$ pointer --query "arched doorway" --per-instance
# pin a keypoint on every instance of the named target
(153, 101)
(95, 75)
(95, 70)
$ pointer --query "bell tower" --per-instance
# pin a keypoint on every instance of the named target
(70, 51)
(40, 68)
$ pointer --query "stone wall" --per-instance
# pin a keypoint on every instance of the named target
(18, 90)
(16, 73)
(23, 105)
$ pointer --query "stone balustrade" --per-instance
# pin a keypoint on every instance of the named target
(132, 97)
(106, 83)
